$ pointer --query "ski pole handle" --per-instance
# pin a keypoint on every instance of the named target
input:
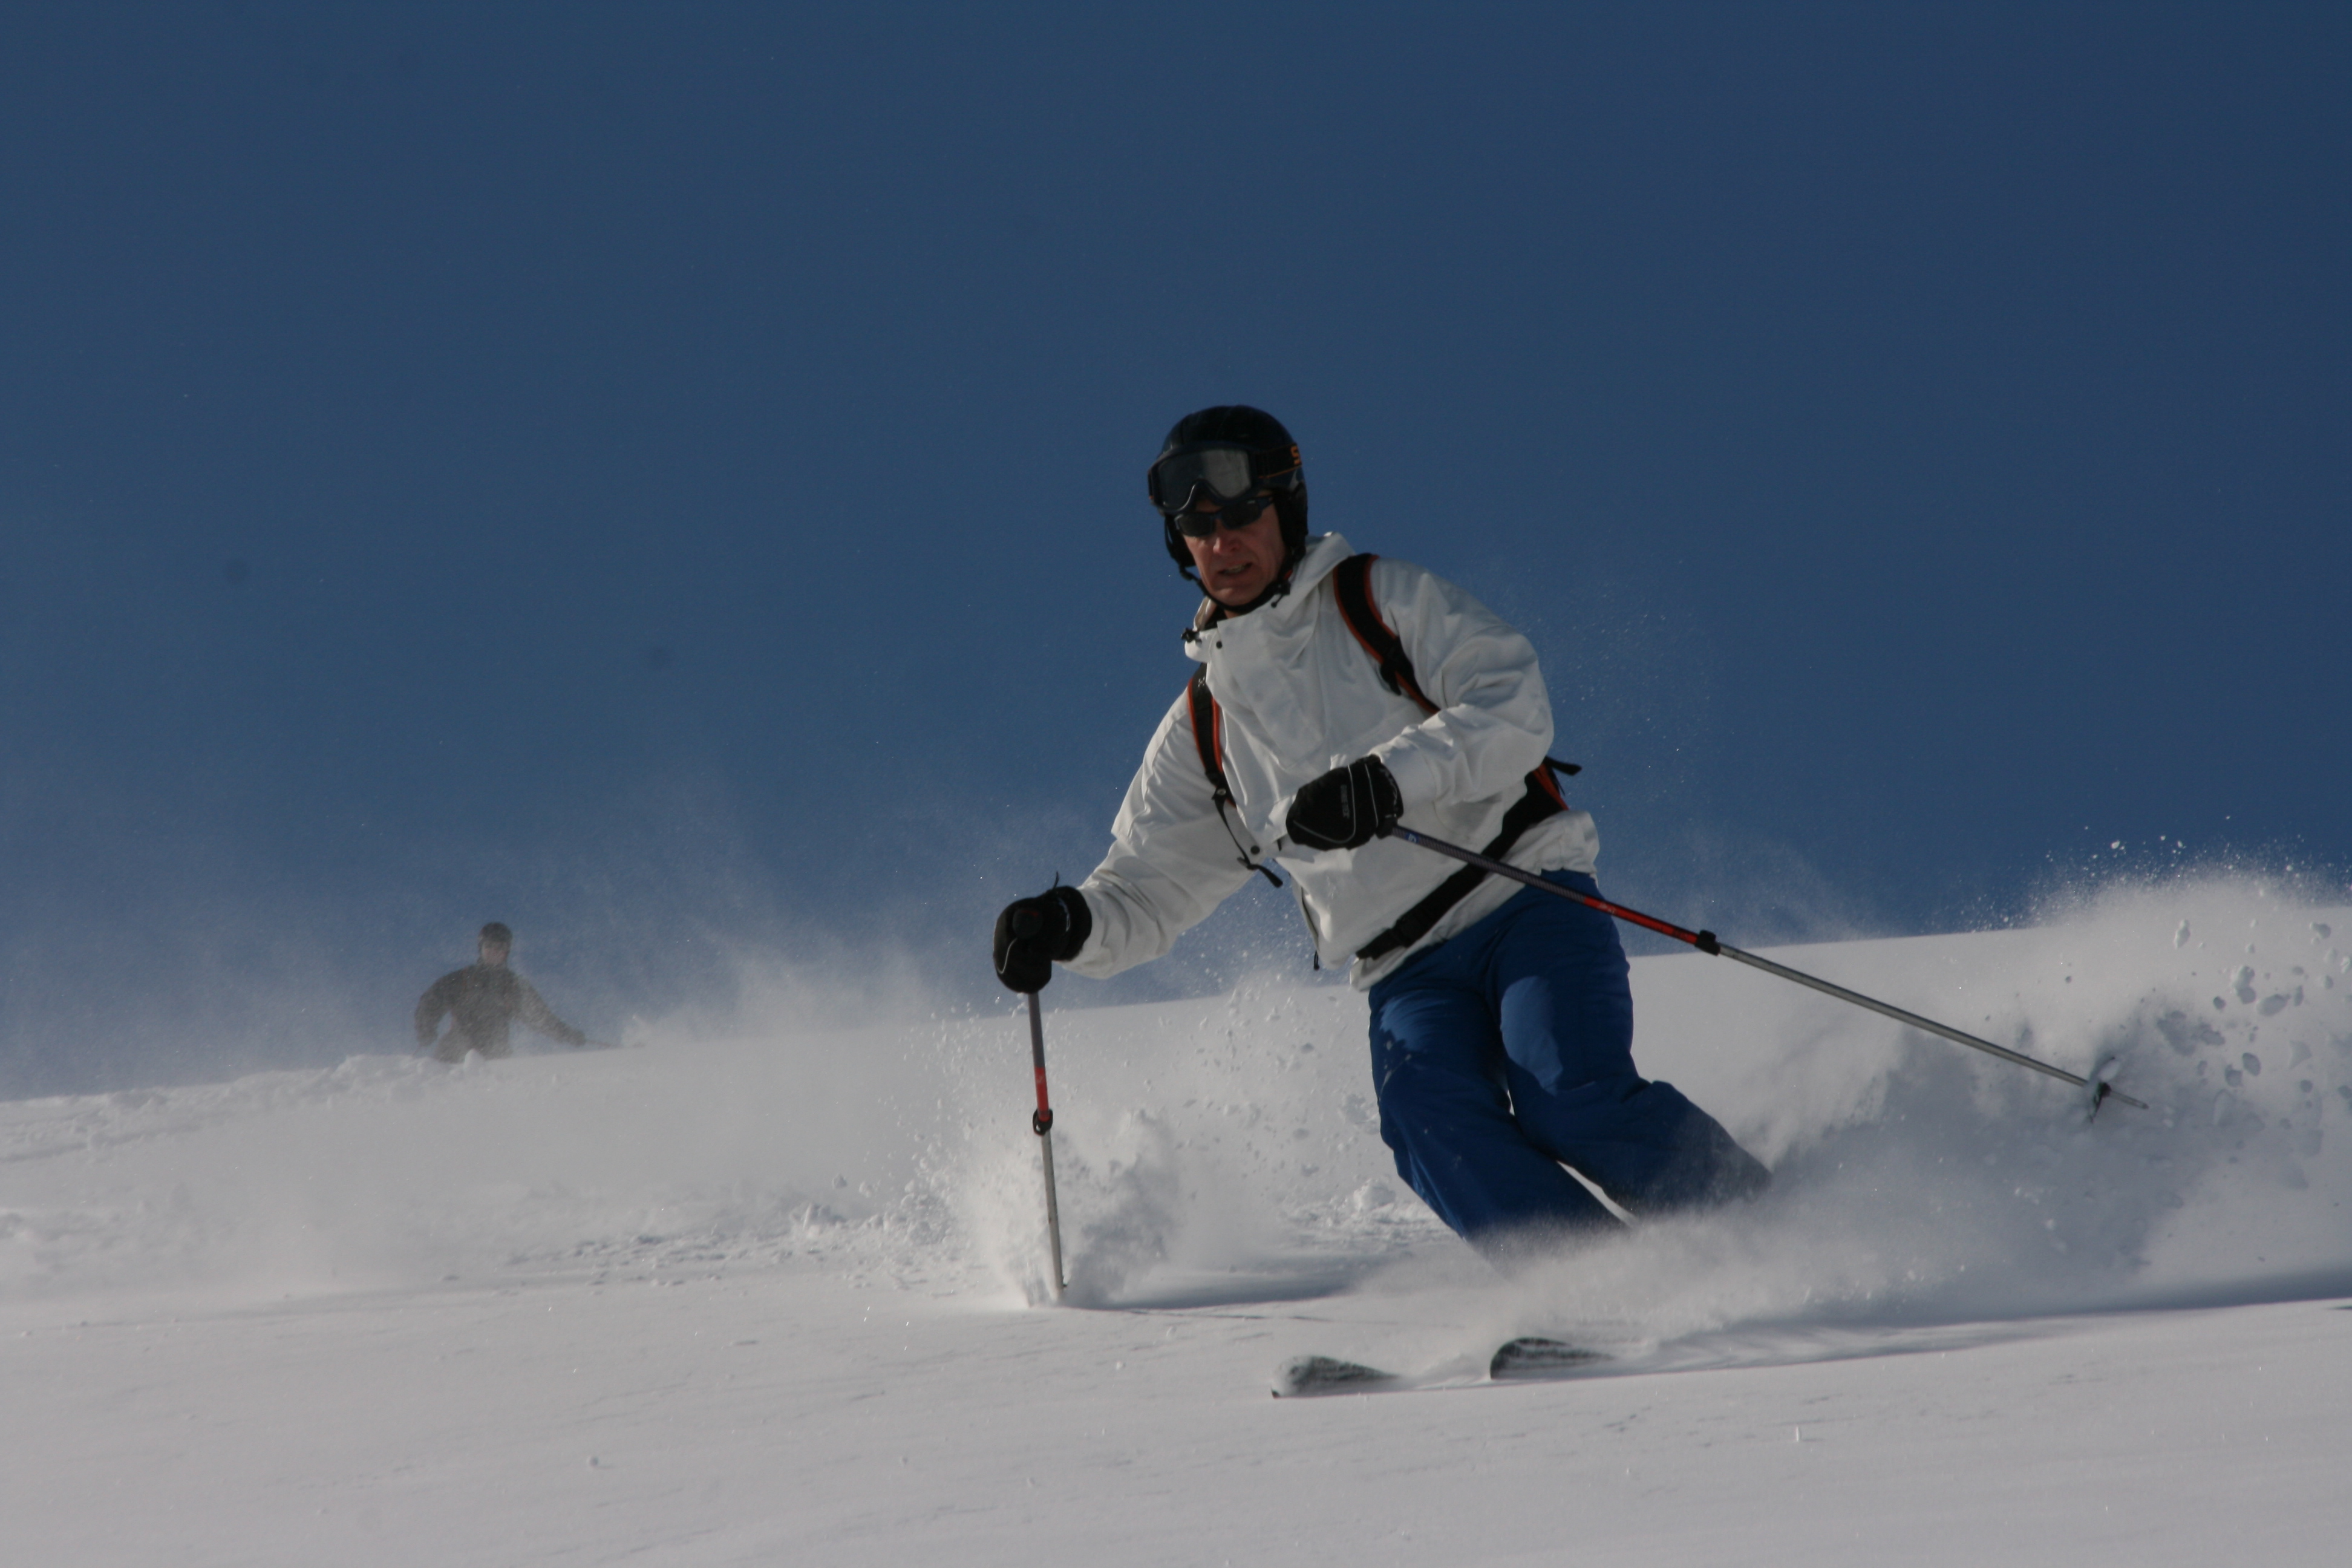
(1042, 1121)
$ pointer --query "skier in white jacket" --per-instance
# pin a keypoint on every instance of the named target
(1332, 702)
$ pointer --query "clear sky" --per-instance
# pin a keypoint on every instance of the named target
(670, 477)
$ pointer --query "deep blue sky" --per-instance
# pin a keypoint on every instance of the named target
(671, 476)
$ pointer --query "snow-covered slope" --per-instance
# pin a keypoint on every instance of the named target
(764, 1293)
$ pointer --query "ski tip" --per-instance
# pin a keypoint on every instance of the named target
(1534, 1356)
(1307, 1375)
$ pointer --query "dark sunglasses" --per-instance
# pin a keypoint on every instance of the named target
(1240, 514)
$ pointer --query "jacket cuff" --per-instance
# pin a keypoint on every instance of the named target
(1081, 922)
(1416, 775)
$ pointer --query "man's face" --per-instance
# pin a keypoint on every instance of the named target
(494, 953)
(1237, 564)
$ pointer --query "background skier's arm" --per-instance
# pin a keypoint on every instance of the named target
(1170, 862)
(433, 1006)
(536, 1012)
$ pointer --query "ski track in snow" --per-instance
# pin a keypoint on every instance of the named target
(1220, 1172)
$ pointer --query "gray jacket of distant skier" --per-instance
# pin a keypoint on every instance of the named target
(482, 1001)
(1299, 695)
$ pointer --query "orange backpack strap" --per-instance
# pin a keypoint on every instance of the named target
(1208, 733)
(1209, 740)
(1351, 585)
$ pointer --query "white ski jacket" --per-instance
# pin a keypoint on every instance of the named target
(1301, 696)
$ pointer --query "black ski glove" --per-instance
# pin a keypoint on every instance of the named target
(1032, 934)
(1347, 807)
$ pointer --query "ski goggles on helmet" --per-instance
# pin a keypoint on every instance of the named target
(1219, 471)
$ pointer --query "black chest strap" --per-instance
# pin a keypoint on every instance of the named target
(1541, 800)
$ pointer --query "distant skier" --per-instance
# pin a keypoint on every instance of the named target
(481, 1001)
(1338, 695)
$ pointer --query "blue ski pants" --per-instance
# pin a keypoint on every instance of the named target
(1506, 1052)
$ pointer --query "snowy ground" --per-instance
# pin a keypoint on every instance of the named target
(767, 1295)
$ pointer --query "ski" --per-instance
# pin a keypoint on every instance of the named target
(1525, 1359)
(1534, 1356)
(1309, 1375)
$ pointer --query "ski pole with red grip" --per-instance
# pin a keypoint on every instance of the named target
(1042, 1124)
(1706, 941)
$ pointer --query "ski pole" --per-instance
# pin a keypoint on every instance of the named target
(1042, 1124)
(1706, 942)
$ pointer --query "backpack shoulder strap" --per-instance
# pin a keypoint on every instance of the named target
(1209, 741)
(1208, 731)
(1352, 585)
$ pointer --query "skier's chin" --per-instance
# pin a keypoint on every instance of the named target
(1236, 588)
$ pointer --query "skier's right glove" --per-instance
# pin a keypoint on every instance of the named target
(1345, 808)
(1032, 934)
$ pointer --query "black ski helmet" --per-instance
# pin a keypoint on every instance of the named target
(1260, 432)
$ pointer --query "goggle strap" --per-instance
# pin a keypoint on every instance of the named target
(1260, 458)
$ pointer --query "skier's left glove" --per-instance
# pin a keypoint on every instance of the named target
(1032, 934)
(1347, 807)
